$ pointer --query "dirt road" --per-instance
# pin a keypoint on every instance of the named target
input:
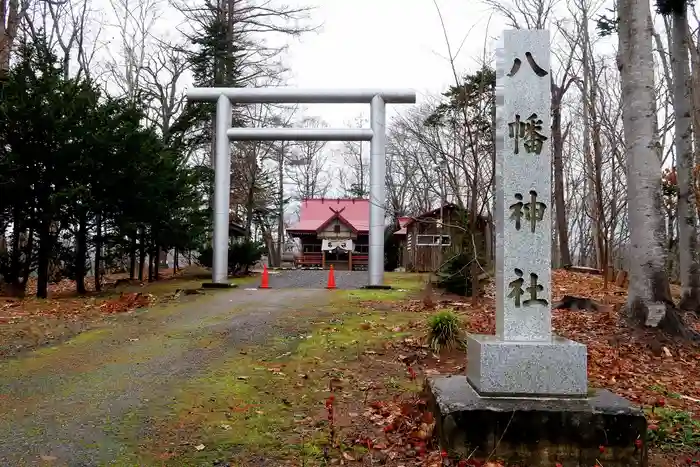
(64, 405)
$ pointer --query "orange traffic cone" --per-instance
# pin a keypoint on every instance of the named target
(265, 279)
(331, 279)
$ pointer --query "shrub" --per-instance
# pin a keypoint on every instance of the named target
(456, 277)
(444, 331)
(241, 256)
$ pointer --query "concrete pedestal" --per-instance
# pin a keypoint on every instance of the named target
(538, 432)
(527, 368)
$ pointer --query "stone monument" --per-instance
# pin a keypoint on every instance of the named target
(525, 377)
(524, 357)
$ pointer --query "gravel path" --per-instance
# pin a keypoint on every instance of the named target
(317, 279)
(66, 403)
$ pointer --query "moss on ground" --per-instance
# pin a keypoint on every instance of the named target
(253, 404)
(403, 285)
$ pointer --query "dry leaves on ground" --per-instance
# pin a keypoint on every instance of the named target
(30, 322)
(640, 365)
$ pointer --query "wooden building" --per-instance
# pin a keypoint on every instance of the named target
(332, 231)
(429, 240)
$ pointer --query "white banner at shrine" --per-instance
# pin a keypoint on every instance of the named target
(337, 244)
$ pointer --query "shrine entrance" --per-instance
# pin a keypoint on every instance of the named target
(338, 253)
(340, 260)
(376, 135)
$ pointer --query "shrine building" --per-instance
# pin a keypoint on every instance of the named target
(336, 231)
(333, 231)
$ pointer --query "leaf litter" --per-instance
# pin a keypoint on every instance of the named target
(27, 323)
(640, 365)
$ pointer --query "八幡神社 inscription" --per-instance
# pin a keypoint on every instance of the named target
(517, 290)
(523, 358)
(529, 131)
(539, 71)
(532, 211)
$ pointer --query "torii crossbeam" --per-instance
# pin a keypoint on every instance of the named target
(376, 135)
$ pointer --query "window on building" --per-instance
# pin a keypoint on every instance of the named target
(336, 228)
(433, 240)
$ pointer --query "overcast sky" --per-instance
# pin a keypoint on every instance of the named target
(387, 43)
(370, 44)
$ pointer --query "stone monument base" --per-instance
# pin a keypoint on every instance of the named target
(602, 429)
(513, 368)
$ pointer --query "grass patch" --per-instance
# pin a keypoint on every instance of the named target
(46, 357)
(243, 405)
(671, 429)
(444, 331)
(269, 402)
(403, 285)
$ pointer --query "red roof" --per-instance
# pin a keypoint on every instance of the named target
(317, 213)
(403, 222)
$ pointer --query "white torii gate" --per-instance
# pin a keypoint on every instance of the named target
(376, 135)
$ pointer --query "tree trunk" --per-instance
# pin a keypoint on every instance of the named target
(15, 266)
(19, 267)
(687, 214)
(150, 265)
(601, 235)
(156, 265)
(42, 286)
(28, 257)
(81, 255)
(98, 252)
(142, 253)
(13, 10)
(132, 257)
(176, 258)
(649, 295)
(250, 197)
(157, 254)
(558, 160)
(588, 104)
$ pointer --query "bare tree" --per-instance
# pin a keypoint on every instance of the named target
(687, 210)
(649, 296)
(11, 14)
(354, 175)
(307, 168)
(69, 22)
(416, 149)
(134, 22)
(400, 173)
(160, 84)
(525, 14)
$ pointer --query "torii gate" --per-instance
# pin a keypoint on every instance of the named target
(376, 135)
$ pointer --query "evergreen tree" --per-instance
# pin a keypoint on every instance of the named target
(81, 172)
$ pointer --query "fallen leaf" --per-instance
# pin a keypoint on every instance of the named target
(199, 447)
